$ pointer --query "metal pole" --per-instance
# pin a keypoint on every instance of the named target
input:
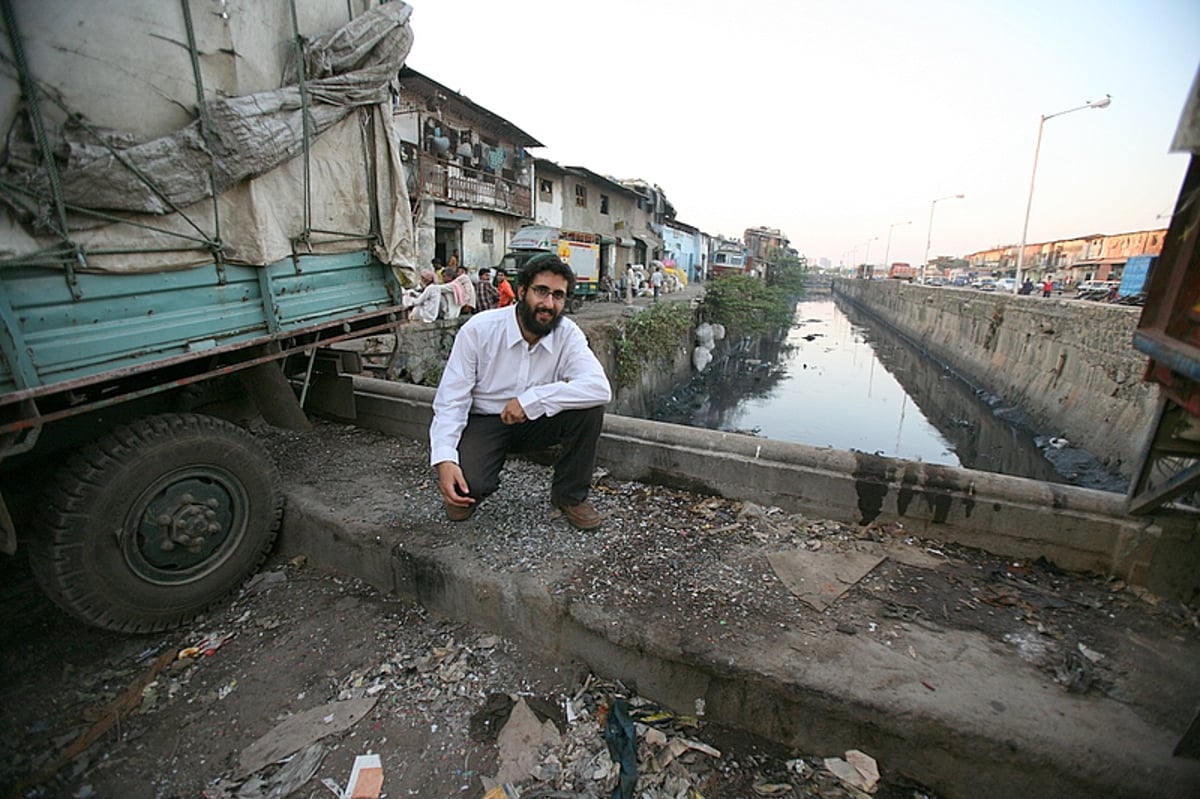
(1029, 205)
(888, 249)
(929, 233)
(1033, 176)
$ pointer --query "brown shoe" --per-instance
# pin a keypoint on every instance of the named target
(582, 516)
(456, 514)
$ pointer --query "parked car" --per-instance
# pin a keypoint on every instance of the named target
(1006, 284)
(987, 284)
(1100, 290)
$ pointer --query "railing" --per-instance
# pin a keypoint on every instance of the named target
(472, 188)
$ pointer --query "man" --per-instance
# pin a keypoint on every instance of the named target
(505, 289)
(1047, 287)
(520, 379)
(656, 281)
(424, 305)
(464, 291)
(486, 292)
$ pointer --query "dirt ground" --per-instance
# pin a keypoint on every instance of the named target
(299, 638)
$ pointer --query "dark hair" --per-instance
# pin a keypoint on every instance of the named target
(545, 262)
(485, 270)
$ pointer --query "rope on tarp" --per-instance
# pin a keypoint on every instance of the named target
(302, 77)
(206, 133)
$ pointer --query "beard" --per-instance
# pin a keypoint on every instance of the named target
(530, 321)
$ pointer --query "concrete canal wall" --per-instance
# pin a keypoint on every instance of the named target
(1070, 364)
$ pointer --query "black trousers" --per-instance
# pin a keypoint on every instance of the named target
(487, 442)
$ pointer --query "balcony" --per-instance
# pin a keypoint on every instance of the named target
(464, 187)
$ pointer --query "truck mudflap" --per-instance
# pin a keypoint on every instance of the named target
(150, 525)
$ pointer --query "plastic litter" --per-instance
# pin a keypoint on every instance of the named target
(622, 747)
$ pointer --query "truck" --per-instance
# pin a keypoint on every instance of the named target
(901, 271)
(578, 249)
(1134, 278)
(183, 231)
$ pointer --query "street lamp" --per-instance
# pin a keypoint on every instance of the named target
(1036, 150)
(888, 249)
(929, 234)
(867, 255)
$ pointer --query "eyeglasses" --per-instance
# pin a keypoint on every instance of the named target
(542, 292)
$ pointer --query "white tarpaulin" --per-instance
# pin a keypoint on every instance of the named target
(125, 69)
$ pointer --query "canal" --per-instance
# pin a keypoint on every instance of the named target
(842, 380)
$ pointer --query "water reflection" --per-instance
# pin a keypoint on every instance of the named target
(840, 380)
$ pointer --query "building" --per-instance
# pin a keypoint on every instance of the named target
(470, 173)
(1093, 257)
(686, 247)
(575, 199)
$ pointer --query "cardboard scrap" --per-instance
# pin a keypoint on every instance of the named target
(300, 730)
(820, 578)
(520, 743)
(858, 770)
(366, 778)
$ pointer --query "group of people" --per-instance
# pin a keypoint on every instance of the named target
(448, 291)
(1028, 288)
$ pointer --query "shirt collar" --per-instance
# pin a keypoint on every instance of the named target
(512, 333)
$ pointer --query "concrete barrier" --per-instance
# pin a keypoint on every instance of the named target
(1077, 528)
(1069, 363)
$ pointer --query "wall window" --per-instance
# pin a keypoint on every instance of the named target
(487, 236)
(546, 189)
(604, 203)
(580, 196)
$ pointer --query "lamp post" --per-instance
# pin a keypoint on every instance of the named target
(867, 254)
(1036, 150)
(888, 249)
(929, 233)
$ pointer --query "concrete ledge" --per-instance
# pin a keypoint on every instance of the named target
(995, 726)
(1077, 528)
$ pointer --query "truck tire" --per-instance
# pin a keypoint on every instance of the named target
(147, 527)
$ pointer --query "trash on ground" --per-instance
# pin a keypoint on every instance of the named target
(366, 778)
(522, 743)
(820, 578)
(858, 770)
(300, 730)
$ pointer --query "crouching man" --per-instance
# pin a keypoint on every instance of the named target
(519, 379)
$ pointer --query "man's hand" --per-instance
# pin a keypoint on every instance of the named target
(453, 485)
(513, 413)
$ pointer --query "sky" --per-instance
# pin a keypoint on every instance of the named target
(844, 122)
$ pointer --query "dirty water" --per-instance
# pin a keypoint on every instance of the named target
(842, 380)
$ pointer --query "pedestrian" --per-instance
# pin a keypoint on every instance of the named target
(1026, 287)
(504, 288)
(464, 292)
(1047, 287)
(486, 292)
(424, 305)
(520, 380)
(452, 264)
(656, 281)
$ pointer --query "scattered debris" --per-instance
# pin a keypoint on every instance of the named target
(300, 730)
(366, 778)
(858, 770)
(819, 578)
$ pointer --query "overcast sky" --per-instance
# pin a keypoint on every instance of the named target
(834, 119)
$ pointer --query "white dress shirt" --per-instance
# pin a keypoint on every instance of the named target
(492, 363)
